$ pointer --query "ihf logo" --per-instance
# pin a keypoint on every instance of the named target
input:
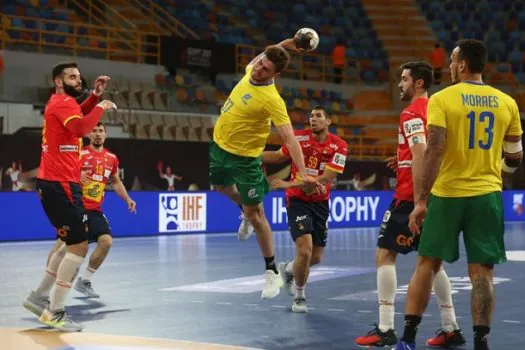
(182, 212)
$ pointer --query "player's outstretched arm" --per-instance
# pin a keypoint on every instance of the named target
(274, 157)
(432, 159)
(288, 44)
(81, 126)
(95, 95)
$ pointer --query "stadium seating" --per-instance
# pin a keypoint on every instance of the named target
(263, 23)
(501, 23)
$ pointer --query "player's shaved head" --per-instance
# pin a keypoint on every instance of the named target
(474, 53)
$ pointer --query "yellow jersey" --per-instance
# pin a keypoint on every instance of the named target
(245, 120)
(477, 118)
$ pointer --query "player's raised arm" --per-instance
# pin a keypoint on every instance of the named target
(287, 44)
(304, 40)
(80, 126)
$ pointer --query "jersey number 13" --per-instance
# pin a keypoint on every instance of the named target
(487, 119)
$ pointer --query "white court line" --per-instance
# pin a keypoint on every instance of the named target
(365, 311)
(197, 301)
(511, 321)
(280, 306)
(336, 310)
(223, 303)
(251, 304)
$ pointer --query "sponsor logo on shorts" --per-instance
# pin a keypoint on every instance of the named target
(252, 193)
(387, 215)
(404, 241)
(301, 218)
(182, 212)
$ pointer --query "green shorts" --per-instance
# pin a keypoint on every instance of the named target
(481, 220)
(227, 169)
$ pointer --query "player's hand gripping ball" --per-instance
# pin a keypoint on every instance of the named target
(306, 39)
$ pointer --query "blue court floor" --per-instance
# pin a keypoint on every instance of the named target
(206, 288)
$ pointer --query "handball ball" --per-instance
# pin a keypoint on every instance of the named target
(306, 39)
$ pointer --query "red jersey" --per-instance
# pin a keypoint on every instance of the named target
(330, 154)
(99, 166)
(60, 158)
(413, 121)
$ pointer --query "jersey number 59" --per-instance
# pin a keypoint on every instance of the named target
(487, 118)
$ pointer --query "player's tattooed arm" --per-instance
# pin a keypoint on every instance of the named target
(437, 138)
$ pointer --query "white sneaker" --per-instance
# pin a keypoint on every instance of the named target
(272, 284)
(36, 303)
(84, 286)
(299, 305)
(245, 229)
(287, 277)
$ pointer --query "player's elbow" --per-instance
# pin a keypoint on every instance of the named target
(286, 133)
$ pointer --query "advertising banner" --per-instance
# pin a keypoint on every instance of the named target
(159, 213)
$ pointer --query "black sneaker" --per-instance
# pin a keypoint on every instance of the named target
(448, 340)
(377, 338)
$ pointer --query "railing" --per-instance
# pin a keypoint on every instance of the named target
(143, 47)
(163, 18)
(304, 66)
(97, 15)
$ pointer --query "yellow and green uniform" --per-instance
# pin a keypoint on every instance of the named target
(240, 136)
(466, 196)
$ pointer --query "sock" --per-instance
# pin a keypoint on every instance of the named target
(67, 271)
(411, 325)
(51, 272)
(289, 267)
(480, 337)
(444, 296)
(88, 275)
(386, 289)
(299, 292)
(270, 264)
